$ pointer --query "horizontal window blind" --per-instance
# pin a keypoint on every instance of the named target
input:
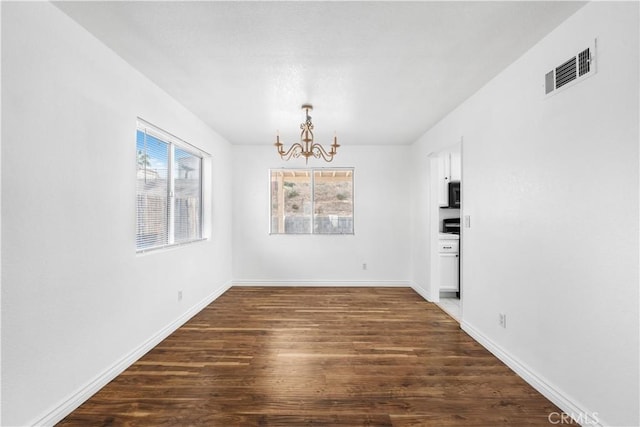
(187, 218)
(169, 189)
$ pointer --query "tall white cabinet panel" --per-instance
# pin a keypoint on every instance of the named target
(448, 260)
(455, 166)
(443, 178)
(449, 169)
(449, 279)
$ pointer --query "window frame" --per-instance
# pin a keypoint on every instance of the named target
(173, 143)
(312, 171)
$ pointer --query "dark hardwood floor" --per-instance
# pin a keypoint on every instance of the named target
(317, 356)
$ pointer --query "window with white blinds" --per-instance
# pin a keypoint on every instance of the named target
(169, 189)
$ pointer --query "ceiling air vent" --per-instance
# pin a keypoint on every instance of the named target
(571, 71)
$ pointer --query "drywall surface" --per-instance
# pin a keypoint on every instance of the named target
(551, 188)
(381, 222)
(76, 298)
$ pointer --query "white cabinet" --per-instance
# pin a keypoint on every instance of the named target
(449, 277)
(455, 166)
(443, 181)
(449, 265)
(449, 170)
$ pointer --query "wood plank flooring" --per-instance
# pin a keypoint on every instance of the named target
(317, 356)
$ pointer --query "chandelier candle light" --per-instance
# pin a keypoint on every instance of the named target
(306, 147)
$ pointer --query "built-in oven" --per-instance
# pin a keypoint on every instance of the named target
(451, 225)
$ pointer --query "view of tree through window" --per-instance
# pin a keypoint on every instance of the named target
(169, 191)
(312, 201)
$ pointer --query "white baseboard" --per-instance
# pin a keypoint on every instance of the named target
(76, 399)
(561, 401)
(421, 292)
(325, 283)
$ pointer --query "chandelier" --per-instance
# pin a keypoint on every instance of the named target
(306, 147)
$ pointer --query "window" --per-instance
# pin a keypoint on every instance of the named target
(312, 201)
(169, 189)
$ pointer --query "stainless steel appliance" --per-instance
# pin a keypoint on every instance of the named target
(451, 225)
(454, 194)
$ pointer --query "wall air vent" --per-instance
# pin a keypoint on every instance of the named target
(571, 71)
(566, 73)
(584, 62)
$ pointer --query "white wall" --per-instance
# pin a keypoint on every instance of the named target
(552, 189)
(76, 298)
(0, 226)
(381, 222)
(545, 182)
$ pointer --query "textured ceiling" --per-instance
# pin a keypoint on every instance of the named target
(376, 72)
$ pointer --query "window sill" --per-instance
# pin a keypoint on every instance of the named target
(168, 247)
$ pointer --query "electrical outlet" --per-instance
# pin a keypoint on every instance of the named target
(364, 265)
(502, 320)
(180, 295)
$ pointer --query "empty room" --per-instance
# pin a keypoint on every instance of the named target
(386, 213)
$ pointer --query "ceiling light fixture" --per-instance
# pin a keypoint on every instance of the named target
(306, 147)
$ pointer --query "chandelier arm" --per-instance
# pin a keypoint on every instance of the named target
(319, 151)
(294, 151)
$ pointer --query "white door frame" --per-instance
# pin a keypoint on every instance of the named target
(434, 227)
(434, 224)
